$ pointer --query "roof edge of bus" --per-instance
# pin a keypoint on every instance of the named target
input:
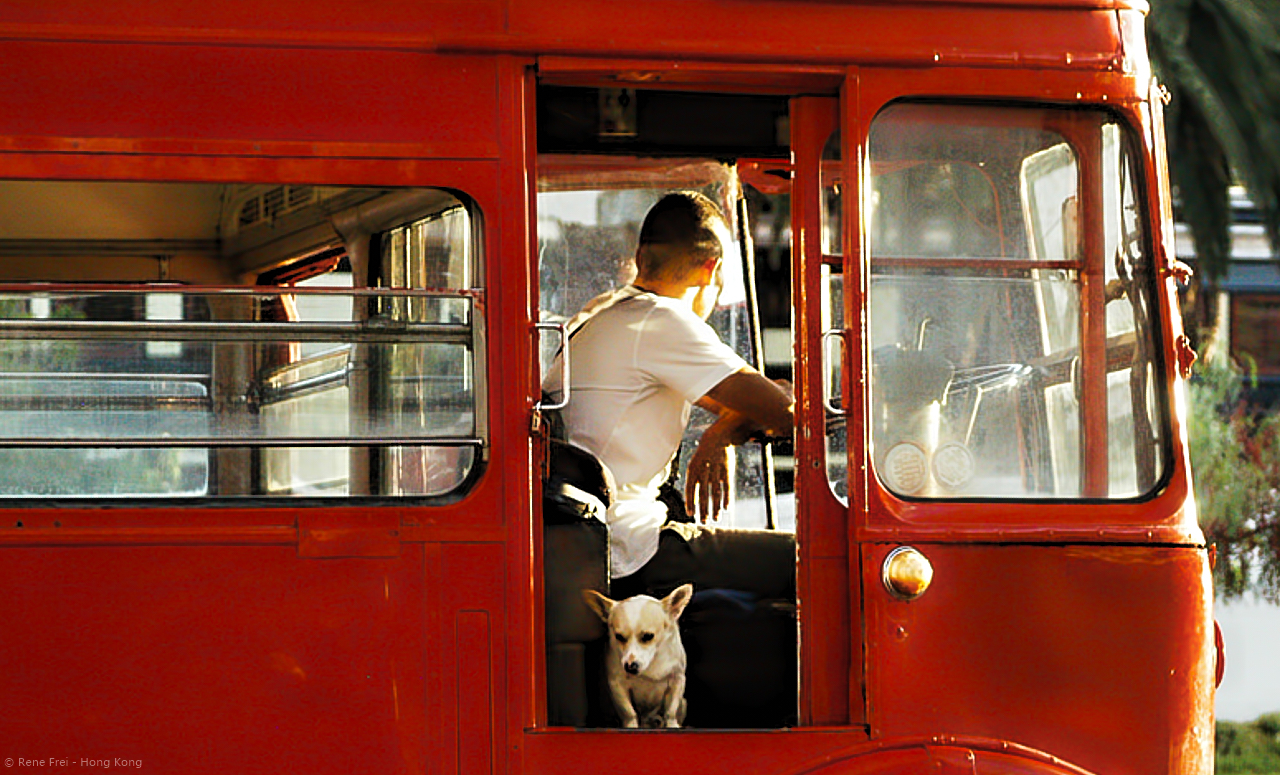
(1106, 5)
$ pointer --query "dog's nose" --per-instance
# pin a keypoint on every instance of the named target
(632, 668)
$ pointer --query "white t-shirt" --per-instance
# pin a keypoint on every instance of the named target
(636, 367)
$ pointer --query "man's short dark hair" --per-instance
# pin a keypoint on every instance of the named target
(678, 233)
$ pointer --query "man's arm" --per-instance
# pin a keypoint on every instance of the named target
(746, 401)
(759, 402)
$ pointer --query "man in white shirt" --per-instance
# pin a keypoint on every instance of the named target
(641, 356)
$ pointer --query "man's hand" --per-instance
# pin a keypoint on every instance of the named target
(706, 481)
(746, 402)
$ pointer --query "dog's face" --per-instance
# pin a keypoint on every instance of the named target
(640, 627)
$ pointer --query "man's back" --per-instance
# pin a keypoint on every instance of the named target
(636, 366)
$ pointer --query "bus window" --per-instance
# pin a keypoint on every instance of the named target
(303, 341)
(587, 232)
(1011, 306)
(429, 385)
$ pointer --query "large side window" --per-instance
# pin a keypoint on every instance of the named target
(1011, 296)
(202, 340)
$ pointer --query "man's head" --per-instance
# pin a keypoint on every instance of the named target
(681, 235)
(682, 242)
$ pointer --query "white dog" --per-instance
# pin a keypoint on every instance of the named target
(646, 663)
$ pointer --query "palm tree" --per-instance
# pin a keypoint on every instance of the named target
(1220, 61)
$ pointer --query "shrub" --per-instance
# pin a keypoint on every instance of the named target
(1251, 748)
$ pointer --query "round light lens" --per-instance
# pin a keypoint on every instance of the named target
(906, 573)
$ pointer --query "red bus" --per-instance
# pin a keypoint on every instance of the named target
(279, 284)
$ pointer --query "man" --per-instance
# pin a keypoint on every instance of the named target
(640, 357)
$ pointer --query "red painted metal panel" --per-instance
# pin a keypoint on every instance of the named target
(467, 647)
(642, 752)
(373, 534)
(830, 665)
(258, 95)
(1054, 34)
(868, 33)
(327, 22)
(214, 659)
(475, 692)
(960, 755)
(1102, 655)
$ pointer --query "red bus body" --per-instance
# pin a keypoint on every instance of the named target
(406, 636)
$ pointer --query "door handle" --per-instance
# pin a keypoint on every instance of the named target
(564, 367)
(827, 336)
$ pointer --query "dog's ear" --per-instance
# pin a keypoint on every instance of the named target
(598, 603)
(677, 600)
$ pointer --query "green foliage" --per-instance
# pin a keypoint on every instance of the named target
(1235, 461)
(1220, 61)
(1249, 748)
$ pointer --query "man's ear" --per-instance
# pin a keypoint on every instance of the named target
(675, 602)
(598, 603)
(709, 268)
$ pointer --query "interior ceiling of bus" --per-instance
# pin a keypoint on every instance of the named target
(662, 123)
(204, 232)
(73, 210)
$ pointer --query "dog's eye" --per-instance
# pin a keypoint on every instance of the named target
(621, 638)
(645, 637)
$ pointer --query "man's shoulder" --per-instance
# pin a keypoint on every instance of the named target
(661, 310)
(648, 309)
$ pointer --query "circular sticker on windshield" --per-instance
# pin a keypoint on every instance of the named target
(953, 465)
(906, 468)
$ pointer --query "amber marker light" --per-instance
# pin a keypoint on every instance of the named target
(906, 573)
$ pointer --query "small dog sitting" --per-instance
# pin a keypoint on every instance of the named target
(646, 662)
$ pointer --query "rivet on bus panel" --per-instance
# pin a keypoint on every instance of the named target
(906, 573)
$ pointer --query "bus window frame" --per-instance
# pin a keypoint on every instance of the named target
(1129, 520)
(479, 343)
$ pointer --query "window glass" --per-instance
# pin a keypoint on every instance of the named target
(350, 367)
(1010, 313)
(588, 227)
(833, 318)
(54, 390)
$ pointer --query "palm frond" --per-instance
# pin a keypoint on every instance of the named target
(1220, 60)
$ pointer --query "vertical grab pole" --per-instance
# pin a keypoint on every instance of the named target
(757, 351)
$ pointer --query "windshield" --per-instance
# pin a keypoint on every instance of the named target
(1013, 350)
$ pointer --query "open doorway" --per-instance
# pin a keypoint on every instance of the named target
(598, 176)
